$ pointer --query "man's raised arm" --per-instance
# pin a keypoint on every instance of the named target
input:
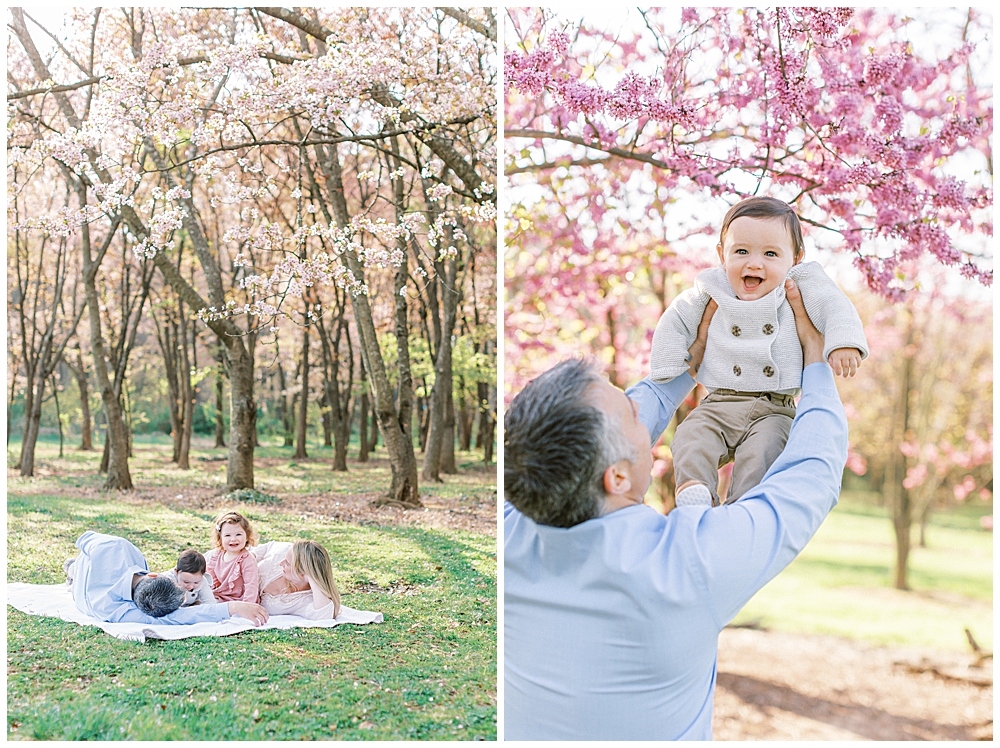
(657, 401)
(744, 545)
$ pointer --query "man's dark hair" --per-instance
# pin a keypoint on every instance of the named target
(157, 596)
(557, 446)
(766, 207)
(191, 561)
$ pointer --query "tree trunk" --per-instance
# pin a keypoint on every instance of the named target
(897, 496)
(86, 425)
(465, 420)
(442, 376)
(374, 429)
(342, 423)
(285, 407)
(338, 406)
(29, 405)
(31, 425)
(325, 416)
(239, 343)
(363, 420)
(186, 393)
(55, 395)
(612, 336)
(242, 418)
(448, 436)
(300, 437)
(13, 390)
(168, 337)
(119, 477)
(219, 421)
(423, 420)
(487, 426)
(393, 424)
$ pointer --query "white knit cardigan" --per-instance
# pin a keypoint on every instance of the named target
(752, 345)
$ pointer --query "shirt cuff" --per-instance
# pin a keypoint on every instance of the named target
(657, 401)
(818, 377)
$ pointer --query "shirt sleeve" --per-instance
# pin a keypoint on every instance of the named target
(657, 401)
(251, 580)
(743, 545)
(674, 334)
(194, 614)
(830, 310)
(204, 590)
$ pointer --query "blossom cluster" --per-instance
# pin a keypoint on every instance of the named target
(831, 109)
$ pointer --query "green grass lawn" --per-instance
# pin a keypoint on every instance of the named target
(842, 583)
(427, 672)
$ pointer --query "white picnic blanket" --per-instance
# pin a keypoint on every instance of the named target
(56, 600)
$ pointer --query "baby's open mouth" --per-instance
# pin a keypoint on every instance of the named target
(750, 282)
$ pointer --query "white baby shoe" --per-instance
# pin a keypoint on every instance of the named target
(694, 495)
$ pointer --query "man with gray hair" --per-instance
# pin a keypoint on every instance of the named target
(612, 611)
(111, 582)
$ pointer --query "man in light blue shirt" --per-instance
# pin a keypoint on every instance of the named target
(108, 573)
(612, 611)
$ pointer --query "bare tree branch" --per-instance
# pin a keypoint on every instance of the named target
(312, 28)
(463, 18)
(181, 61)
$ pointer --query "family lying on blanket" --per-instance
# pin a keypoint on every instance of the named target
(111, 581)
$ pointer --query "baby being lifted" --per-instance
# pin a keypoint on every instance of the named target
(752, 365)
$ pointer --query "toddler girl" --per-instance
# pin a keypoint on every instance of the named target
(231, 564)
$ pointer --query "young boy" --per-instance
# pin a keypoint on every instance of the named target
(190, 575)
(752, 366)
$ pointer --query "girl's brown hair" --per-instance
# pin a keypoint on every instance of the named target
(766, 207)
(234, 518)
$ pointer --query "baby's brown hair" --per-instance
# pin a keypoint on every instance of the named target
(235, 518)
(191, 561)
(766, 207)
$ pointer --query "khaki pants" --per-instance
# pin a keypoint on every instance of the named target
(748, 428)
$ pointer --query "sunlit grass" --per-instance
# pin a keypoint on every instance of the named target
(427, 672)
(842, 583)
(276, 470)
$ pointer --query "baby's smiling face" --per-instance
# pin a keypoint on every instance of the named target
(757, 254)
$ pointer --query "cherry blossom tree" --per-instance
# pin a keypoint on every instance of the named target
(625, 146)
(624, 150)
(919, 430)
(269, 124)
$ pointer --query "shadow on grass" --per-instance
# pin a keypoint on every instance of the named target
(865, 721)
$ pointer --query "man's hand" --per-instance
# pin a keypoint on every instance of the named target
(251, 611)
(697, 349)
(809, 336)
(845, 361)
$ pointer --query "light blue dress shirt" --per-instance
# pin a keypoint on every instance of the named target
(102, 584)
(611, 627)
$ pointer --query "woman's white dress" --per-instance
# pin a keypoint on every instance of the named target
(269, 556)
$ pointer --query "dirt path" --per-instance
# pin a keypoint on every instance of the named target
(776, 686)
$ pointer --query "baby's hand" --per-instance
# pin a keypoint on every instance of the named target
(845, 361)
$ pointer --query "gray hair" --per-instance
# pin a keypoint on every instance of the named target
(157, 596)
(557, 446)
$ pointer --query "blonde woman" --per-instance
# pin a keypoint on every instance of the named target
(297, 579)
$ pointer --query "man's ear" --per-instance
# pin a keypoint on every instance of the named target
(616, 480)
